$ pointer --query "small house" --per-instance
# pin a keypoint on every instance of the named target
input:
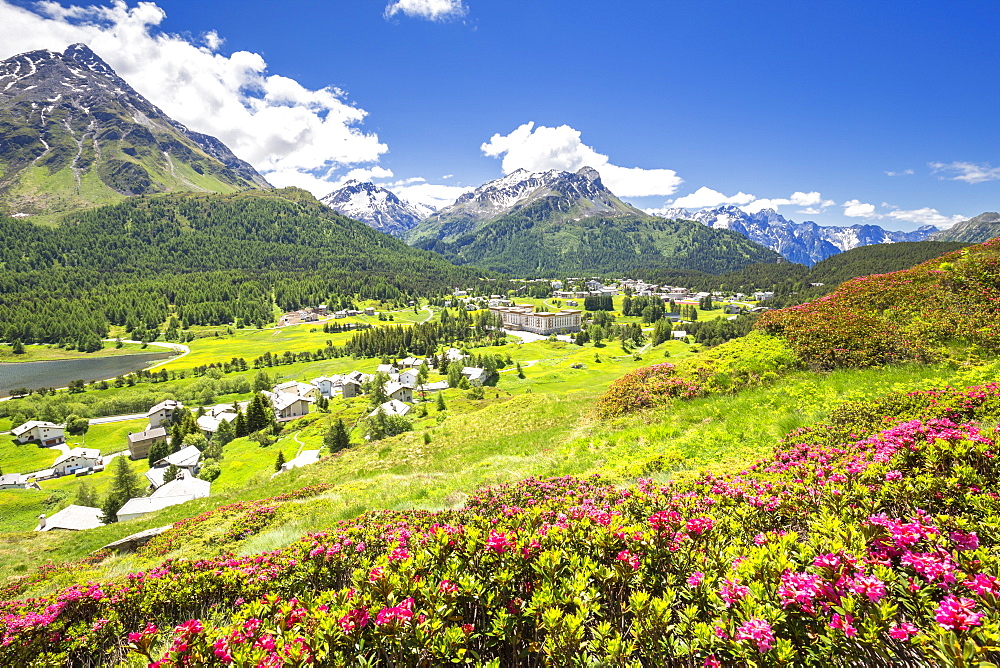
(392, 407)
(77, 459)
(288, 406)
(296, 388)
(327, 386)
(209, 423)
(140, 442)
(187, 459)
(18, 481)
(369, 310)
(475, 375)
(182, 488)
(410, 363)
(387, 368)
(399, 392)
(71, 518)
(163, 412)
(350, 388)
(679, 334)
(408, 378)
(46, 434)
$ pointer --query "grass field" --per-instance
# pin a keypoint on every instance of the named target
(43, 353)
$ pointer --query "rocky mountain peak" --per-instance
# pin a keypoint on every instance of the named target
(376, 206)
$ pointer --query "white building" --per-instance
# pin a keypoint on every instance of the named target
(177, 491)
(46, 433)
(399, 392)
(328, 386)
(523, 317)
(408, 378)
(18, 481)
(296, 388)
(475, 375)
(186, 459)
(392, 407)
(288, 406)
(77, 459)
(71, 518)
(163, 412)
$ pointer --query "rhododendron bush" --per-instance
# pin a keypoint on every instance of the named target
(917, 314)
(864, 542)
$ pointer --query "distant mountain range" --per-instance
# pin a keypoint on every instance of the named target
(806, 243)
(73, 134)
(976, 230)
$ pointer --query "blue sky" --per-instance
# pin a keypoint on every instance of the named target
(839, 112)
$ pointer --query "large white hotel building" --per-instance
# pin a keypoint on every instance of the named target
(523, 317)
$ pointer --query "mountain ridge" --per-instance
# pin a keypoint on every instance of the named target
(806, 242)
(74, 134)
(983, 227)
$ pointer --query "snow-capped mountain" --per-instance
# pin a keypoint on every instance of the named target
(377, 207)
(575, 195)
(806, 243)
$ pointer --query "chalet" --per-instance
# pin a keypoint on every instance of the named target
(340, 314)
(523, 317)
(187, 459)
(288, 406)
(433, 387)
(46, 434)
(163, 412)
(392, 407)
(71, 518)
(398, 392)
(411, 363)
(327, 386)
(182, 488)
(732, 309)
(140, 442)
(387, 368)
(305, 458)
(408, 378)
(475, 375)
(209, 422)
(454, 354)
(77, 459)
(296, 388)
(679, 334)
(18, 481)
(369, 310)
(351, 388)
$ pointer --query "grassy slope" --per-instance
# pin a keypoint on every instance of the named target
(485, 442)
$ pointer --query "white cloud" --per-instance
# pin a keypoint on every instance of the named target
(858, 209)
(293, 134)
(905, 172)
(924, 216)
(970, 172)
(544, 148)
(706, 198)
(432, 195)
(432, 10)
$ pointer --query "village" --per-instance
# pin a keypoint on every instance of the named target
(174, 478)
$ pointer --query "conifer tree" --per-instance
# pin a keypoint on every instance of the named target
(337, 438)
(124, 486)
(280, 461)
(440, 401)
(86, 495)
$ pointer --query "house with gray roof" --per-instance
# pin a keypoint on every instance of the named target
(71, 518)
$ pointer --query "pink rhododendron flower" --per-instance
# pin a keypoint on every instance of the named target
(732, 591)
(903, 631)
(627, 557)
(759, 631)
(982, 584)
(696, 578)
(958, 614)
(893, 475)
(964, 541)
(845, 624)
(498, 542)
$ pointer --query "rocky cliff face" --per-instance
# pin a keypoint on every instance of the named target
(377, 207)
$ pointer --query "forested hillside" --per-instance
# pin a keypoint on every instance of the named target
(538, 240)
(218, 258)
